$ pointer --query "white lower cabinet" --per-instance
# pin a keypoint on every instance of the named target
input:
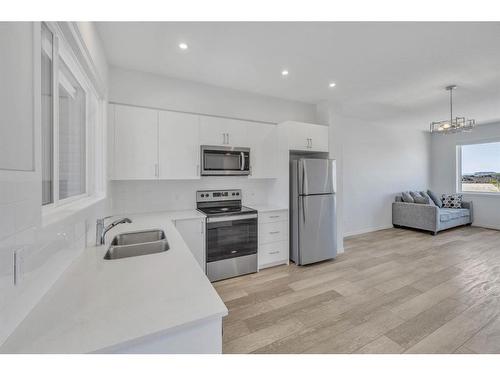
(273, 238)
(193, 233)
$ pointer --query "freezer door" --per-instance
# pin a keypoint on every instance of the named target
(317, 230)
(316, 176)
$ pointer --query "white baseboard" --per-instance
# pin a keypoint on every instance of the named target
(486, 225)
(366, 230)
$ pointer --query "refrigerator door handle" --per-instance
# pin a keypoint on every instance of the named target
(303, 210)
(303, 177)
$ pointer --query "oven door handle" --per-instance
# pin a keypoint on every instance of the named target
(231, 218)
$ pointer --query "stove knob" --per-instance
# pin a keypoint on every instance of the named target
(202, 195)
(237, 193)
(234, 194)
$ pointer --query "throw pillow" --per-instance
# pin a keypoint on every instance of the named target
(418, 198)
(424, 194)
(407, 197)
(452, 200)
(438, 202)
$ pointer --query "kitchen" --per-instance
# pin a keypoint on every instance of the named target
(208, 186)
(184, 174)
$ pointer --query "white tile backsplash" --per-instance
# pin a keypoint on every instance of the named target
(46, 250)
(151, 196)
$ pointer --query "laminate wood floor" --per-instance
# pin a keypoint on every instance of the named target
(391, 291)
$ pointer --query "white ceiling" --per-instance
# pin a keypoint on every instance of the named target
(383, 71)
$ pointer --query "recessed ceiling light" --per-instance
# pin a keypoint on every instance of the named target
(284, 73)
(332, 84)
(183, 46)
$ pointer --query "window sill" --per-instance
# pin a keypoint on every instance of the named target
(478, 194)
(65, 211)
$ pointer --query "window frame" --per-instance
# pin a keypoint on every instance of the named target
(62, 52)
(458, 179)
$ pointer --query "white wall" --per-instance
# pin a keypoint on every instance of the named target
(16, 95)
(375, 162)
(378, 163)
(92, 40)
(444, 167)
(149, 90)
(46, 248)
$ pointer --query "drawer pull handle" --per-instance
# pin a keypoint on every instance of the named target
(274, 252)
(274, 216)
(275, 232)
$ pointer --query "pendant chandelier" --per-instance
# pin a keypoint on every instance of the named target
(452, 125)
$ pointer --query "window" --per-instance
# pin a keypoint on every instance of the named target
(480, 168)
(47, 43)
(70, 112)
(72, 121)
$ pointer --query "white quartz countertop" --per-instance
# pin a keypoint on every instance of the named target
(98, 304)
(266, 208)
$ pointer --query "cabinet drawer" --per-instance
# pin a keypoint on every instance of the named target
(274, 252)
(273, 216)
(271, 232)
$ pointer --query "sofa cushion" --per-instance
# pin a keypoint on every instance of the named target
(407, 197)
(452, 200)
(447, 214)
(437, 201)
(419, 198)
(424, 194)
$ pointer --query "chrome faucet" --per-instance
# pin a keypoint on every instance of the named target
(101, 230)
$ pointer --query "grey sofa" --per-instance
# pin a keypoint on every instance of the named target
(429, 217)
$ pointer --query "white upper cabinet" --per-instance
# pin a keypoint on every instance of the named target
(297, 136)
(135, 143)
(306, 137)
(318, 137)
(179, 145)
(263, 140)
(216, 131)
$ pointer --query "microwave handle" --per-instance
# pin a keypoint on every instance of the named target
(242, 163)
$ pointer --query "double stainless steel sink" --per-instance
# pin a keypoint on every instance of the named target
(132, 244)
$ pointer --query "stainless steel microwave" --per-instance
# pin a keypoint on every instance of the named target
(225, 161)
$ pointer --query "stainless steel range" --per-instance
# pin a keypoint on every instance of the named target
(231, 235)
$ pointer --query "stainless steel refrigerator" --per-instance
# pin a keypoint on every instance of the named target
(312, 210)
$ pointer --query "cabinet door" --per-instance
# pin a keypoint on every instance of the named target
(318, 135)
(216, 131)
(263, 140)
(237, 135)
(298, 135)
(212, 131)
(193, 233)
(135, 151)
(178, 145)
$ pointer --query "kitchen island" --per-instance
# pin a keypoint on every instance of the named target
(157, 303)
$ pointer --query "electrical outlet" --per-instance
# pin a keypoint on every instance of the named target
(18, 265)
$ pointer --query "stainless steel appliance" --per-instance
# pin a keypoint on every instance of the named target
(231, 234)
(225, 161)
(312, 214)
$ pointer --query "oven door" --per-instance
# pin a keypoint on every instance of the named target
(220, 161)
(231, 236)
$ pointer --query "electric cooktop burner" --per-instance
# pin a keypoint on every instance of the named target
(212, 211)
(221, 202)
